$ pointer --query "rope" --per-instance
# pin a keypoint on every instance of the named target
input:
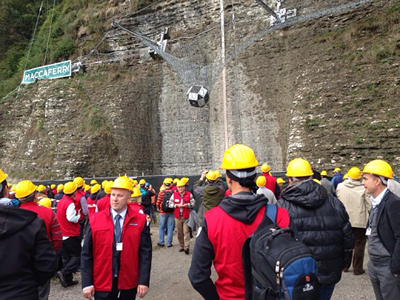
(236, 73)
(31, 44)
(48, 37)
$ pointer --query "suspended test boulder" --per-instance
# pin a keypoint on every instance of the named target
(198, 96)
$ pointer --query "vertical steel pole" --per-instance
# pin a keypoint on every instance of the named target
(224, 72)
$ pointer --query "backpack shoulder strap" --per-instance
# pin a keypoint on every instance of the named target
(271, 212)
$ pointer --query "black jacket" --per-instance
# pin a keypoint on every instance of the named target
(389, 228)
(322, 224)
(27, 258)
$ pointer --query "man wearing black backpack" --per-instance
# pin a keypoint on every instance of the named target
(167, 218)
(321, 221)
(225, 228)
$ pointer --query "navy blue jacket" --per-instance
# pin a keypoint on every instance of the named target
(389, 228)
(323, 225)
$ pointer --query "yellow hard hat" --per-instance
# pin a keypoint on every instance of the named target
(261, 181)
(317, 181)
(265, 168)
(79, 181)
(107, 188)
(136, 193)
(299, 167)
(280, 180)
(180, 183)
(3, 175)
(103, 184)
(324, 173)
(176, 180)
(87, 187)
(142, 181)
(239, 157)
(95, 188)
(93, 182)
(346, 176)
(354, 173)
(69, 188)
(379, 167)
(41, 188)
(168, 180)
(123, 182)
(336, 170)
(211, 175)
(52, 186)
(46, 202)
(185, 180)
(60, 187)
(217, 173)
(24, 189)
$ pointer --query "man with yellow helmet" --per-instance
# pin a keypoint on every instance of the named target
(358, 205)
(27, 260)
(326, 183)
(270, 181)
(69, 217)
(337, 177)
(208, 190)
(383, 231)
(26, 192)
(116, 253)
(225, 228)
(321, 221)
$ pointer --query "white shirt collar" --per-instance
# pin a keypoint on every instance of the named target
(122, 214)
(378, 199)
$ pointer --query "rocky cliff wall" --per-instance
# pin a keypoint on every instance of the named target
(324, 90)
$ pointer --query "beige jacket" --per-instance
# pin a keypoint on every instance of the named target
(356, 201)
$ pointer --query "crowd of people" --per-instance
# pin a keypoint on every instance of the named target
(102, 229)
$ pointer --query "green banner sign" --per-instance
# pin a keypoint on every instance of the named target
(58, 70)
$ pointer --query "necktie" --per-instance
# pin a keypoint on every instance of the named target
(117, 228)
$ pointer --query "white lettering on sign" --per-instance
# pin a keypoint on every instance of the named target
(53, 71)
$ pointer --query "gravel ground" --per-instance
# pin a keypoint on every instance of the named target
(169, 279)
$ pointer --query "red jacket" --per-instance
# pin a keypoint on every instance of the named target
(50, 220)
(67, 228)
(79, 194)
(102, 227)
(91, 206)
(270, 181)
(178, 200)
(103, 203)
(227, 236)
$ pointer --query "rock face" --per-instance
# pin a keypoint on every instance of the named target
(325, 90)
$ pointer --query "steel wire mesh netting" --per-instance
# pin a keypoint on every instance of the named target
(191, 55)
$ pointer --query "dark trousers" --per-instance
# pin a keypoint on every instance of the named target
(116, 294)
(359, 249)
(71, 256)
(44, 291)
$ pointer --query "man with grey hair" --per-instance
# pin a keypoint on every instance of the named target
(383, 231)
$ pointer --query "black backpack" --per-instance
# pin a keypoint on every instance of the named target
(276, 265)
(164, 206)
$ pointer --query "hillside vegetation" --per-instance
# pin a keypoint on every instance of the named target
(34, 33)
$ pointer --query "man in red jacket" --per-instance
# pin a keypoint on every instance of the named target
(26, 194)
(182, 202)
(225, 228)
(68, 217)
(116, 254)
(270, 181)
